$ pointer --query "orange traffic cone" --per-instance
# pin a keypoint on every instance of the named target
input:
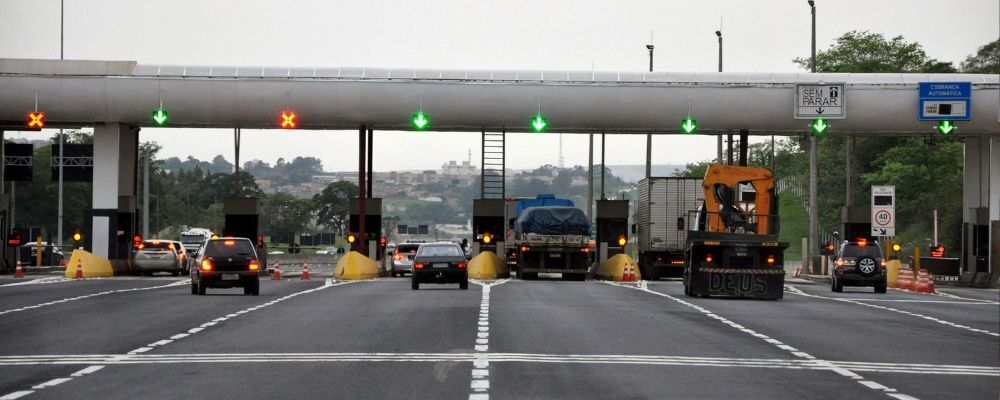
(277, 272)
(305, 271)
(924, 283)
(628, 274)
(18, 272)
(79, 269)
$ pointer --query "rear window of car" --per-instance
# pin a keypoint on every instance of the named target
(157, 246)
(862, 251)
(407, 248)
(440, 251)
(226, 247)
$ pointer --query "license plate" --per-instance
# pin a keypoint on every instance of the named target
(555, 255)
(230, 277)
(440, 265)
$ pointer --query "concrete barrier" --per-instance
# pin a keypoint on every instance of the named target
(488, 265)
(355, 266)
(93, 265)
(892, 268)
(613, 268)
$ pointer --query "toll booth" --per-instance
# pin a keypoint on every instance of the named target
(611, 221)
(119, 241)
(242, 219)
(976, 239)
(488, 225)
(368, 240)
(857, 222)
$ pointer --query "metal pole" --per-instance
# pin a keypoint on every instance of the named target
(145, 196)
(718, 158)
(237, 187)
(370, 146)
(848, 155)
(590, 177)
(59, 213)
(719, 34)
(744, 144)
(650, 47)
(729, 156)
(62, 26)
(813, 204)
(772, 155)
(649, 135)
(602, 166)
(718, 138)
(361, 191)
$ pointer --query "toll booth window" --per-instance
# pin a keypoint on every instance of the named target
(882, 200)
(228, 247)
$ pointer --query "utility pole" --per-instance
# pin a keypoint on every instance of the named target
(649, 135)
(718, 138)
(813, 190)
(59, 212)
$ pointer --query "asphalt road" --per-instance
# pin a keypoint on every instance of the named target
(126, 338)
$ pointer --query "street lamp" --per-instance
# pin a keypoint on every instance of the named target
(650, 47)
(719, 34)
(813, 189)
(812, 59)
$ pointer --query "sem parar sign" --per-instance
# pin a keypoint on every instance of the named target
(820, 100)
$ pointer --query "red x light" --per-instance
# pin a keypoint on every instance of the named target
(36, 120)
(288, 119)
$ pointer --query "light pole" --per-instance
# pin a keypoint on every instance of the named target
(718, 138)
(649, 135)
(59, 212)
(813, 190)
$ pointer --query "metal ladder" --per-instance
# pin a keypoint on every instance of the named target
(492, 178)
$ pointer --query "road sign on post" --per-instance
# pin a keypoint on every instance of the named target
(883, 211)
(820, 100)
(951, 101)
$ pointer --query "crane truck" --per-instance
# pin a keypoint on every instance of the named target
(732, 245)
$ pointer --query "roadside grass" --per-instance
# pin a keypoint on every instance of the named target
(794, 224)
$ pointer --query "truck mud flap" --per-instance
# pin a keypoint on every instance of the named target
(738, 282)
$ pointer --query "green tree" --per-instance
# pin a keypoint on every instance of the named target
(863, 51)
(332, 205)
(985, 61)
(285, 215)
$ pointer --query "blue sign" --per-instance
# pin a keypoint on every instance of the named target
(950, 101)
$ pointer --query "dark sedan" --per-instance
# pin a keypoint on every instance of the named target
(440, 263)
(226, 263)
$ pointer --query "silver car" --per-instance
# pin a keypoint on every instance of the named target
(160, 256)
(402, 259)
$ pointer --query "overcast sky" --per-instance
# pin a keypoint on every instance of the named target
(759, 36)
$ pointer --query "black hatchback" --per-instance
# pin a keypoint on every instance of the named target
(440, 263)
(859, 263)
(226, 263)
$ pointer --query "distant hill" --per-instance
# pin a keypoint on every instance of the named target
(633, 173)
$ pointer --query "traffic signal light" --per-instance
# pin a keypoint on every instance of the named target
(622, 240)
(896, 247)
(136, 241)
(946, 127)
(288, 119)
(77, 236)
(688, 125)
(160, 116)
(420, 121)
(539, 123)
(36, 120)
(819, 126)
(382, 241)
(487, 238)
(827, 248)
(351, 238)
(937, 251)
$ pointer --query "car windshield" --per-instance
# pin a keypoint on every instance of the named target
(861, 251)
(228, 247)
(439, 251)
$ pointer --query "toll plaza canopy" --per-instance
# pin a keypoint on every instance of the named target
(82, 93)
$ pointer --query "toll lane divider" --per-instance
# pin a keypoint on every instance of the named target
(87, 296)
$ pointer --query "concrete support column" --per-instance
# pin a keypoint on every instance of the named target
(116, 151)
(848, 157)
(813, 208)
(994, 205)
(981, 205)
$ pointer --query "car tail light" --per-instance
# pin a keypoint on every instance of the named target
(586, 249)
(418, 265)
(229, 242)
(254, 265)
(883, 263)
(840, 262)
(206, 265)
(398, 257)
(461, 265)
(770, 259)
(140, 246)
(524, 249)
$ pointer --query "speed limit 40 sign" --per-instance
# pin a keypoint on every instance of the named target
(883, 211)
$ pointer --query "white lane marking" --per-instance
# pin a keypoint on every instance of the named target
(480, 385)
(16, 395)
(89, 370)
(39, 281)
(790, 349)
(87, 296)
(969, 302)
(54, 382)
(945, 294)
(901, 396)
(795, 290)
(481, 361)
(876, 386)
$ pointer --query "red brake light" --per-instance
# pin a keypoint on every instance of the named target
(141, 246)
(461, 265)
(254, 265)
(708, 258)
(862, 242)
(229, 242)
(770, 259)
(398, 257)
(206, 265)
(524, 248)
(586, 249)
(418, 265)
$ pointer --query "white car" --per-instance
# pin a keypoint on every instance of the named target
(160, 256)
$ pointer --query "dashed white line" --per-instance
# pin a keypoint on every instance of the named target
(89, 370)
(16, 395)
(54, 382)
(480, 385)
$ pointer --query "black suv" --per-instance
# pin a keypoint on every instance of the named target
(859, 264)
(226, 263)
(440, 263)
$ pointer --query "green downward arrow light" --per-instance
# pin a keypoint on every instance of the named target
(160, 116)
(539, 123)
(946, 127)
(819, 126)
(420, 121)
(688, 125)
